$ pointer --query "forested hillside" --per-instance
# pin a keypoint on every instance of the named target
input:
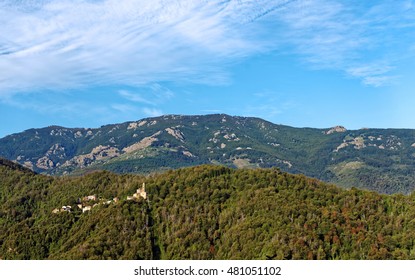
(203, 212)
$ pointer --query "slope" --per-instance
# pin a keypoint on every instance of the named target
(203, 212)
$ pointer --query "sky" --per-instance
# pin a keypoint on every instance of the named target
(311, 63)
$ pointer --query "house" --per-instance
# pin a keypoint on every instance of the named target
(141, 192)
(86, 208)
(55, 211)
(91, 197)
(66, 208)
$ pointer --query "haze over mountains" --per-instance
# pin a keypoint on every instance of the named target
(378, 159)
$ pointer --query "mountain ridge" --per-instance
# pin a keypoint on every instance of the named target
(378, 159)
(14, 166)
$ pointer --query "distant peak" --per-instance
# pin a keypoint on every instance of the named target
(337, 128)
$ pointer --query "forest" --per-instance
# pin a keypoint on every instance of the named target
(202, 212)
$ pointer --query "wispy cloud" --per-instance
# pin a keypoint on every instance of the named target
(152, 112)
(124, 108)
(134, 97)
(63, 44)
(373, 75)
(153, 94)
(364, 40)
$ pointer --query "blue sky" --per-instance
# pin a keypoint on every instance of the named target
(313, 63)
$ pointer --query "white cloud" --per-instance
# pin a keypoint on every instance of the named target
(373, 75)
(77, 44)
(378, 81)
(151, 94)
(65, 44)
(356, 38)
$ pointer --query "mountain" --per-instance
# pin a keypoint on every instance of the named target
(378, 159)
(203, 212)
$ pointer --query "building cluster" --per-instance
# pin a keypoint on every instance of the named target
(141, 192)
(85, 204)
(64, 208)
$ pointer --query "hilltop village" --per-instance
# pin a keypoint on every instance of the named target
(88, 202)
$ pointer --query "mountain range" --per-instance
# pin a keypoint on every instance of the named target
(376, 159)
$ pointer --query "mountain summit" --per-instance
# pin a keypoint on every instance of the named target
(378, 159)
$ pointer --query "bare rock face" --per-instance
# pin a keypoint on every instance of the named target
(78, 134)
(337, 128)
(175, 133)
(46, 162)
(188, 154)
(98, 153)
(357, 142)
(28, 164)
(144, 143)
(57, 150)
(135, 125)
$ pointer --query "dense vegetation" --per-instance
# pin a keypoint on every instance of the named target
(377, 159)
(203, 212)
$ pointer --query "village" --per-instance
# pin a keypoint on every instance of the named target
(88, 202)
